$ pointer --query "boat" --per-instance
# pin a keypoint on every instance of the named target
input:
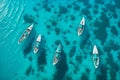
(95, 56)
(37, 43)
(25, 34)
(57, 55)
(81, 26)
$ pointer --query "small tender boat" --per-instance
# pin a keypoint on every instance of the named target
(57, 55)
(81, 26)
(25, 34)
(37, 43)
(95, 56)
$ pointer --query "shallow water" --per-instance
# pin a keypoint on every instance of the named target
(57, 21)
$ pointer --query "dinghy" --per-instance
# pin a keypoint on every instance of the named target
(57, 55)
(37, 43)
(25, 34)
(81, 26)
(95, 57)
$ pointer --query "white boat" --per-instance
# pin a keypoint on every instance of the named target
(25, 34)
(57, 55)
(81, 26)
(37, 43)
(95, 56)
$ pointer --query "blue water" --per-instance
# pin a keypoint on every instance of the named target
(57, 21)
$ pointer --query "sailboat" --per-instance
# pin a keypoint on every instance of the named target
(37, 43)
(95, 56)
(57, 55)
(25, 34)
(81, 26)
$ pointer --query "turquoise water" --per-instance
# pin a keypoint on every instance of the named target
(57, 21)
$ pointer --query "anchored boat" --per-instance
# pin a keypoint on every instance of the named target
(95, 56)
(57, 55)
(25, 34)
(81, 26)
(37, 43)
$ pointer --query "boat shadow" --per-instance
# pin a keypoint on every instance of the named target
(61, 67)
(41, 60)
(84, 37)
(27, 46)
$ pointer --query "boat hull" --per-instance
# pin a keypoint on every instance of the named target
(57, 55)
(95, 57)
(81, 26)
(80, 31)
(25, 34)
(36, 46)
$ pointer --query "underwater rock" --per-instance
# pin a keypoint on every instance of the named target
(67, 77)
(54, 22)
(104, 10)
(101, 77)
(105, 20)
(85, 11)
(62, 10)
(48, 9)
(115, 67)
(72, 18)
(116, 46)
(74, 42)
(28, 18)
(57, 30)
(114, 30)
(113, 74)
(111, 7)
(88, 6)
(70, 26)
(72, 51)
(115, 15)
(46, 6)
(57, 42)
(48, 26)
(30, 58)
(67, 42)
(88, 70)
(37, 16)
(86, 2)
(29, 70)
(38, 4)
(35, 8)
(110, 59)
(106, 49)
(89, 17)
(95, 6)
(40, 68)
(101, 28)
(69, 6)
(99, 1)
(117, 3)
(77, 7)
(76, 69)
(48, 32)
(78, 58)
(118, 56)
(95, 11)
(84, 77)
(118, 23)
